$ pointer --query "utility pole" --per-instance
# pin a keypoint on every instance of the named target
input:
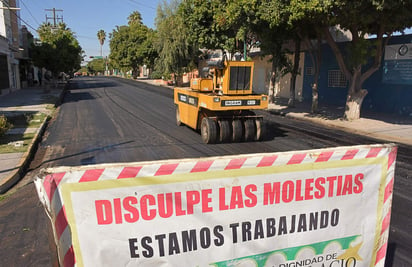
(55, 17)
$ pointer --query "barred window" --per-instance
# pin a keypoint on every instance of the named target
(336, 78)
(310, 71)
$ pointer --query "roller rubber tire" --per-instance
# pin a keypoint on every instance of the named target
(250, 130)
(224, 131)
(208, 131)
(237, 130)
(178, 121)
(260, 130)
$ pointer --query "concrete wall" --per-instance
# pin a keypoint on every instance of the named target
(263, 68)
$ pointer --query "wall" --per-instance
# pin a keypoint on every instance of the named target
(261, 81)
(382, 96)
(261, 75)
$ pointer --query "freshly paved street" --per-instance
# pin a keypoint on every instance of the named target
(106, 120)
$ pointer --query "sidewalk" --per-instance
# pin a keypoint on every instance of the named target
(386, 127)
(35, 104)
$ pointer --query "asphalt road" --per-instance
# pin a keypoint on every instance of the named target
(112, 120)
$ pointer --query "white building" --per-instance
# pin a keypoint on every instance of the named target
(9, 46)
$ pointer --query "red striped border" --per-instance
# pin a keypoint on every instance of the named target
(387, 201)
(267, 161)
(91, 175)
(297, 159)
(202, 166)
(235, 164)
(129, 172)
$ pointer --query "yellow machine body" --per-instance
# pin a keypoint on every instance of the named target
(191, 103)
(225, 99)
(202, 84)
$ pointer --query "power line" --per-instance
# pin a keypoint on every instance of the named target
(86, 37)
(28, 10)
(141, 4)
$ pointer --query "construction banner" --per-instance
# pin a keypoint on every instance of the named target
(327, 208)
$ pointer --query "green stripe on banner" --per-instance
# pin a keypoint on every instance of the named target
(289, 253)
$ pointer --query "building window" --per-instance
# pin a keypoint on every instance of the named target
(336, 78)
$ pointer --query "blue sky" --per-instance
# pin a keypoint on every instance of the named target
(87, 17)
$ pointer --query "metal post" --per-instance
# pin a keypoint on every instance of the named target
(244, 48)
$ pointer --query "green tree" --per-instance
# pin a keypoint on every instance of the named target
(363, 57)
(101, 36)
(235, 21)
(118, 48)
(131, 45)
(258, 22)
(148, 49)
(278, 14)
(307, 18)
(199, 19)
(135, 18)
(176, 53)
(59, 50)
(215, 24)
(240, 25)
(96, 66)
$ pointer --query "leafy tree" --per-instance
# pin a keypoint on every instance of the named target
(101, 36)
(257, 23)
(131, 46)
(282, 21)
(96, 66)
(237, 20)
(148, 49)
(224, 25)
(59, 50)
(176, 53)
(83, 69)
(135, 18)
(363, 57)
(306, 19)
(199, 19)
(233, 25)
(118, 48)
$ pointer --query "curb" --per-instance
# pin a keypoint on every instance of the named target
(27, 156)
(25, 160)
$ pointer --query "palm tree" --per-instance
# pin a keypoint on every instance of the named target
(134, 17)
(101, 35)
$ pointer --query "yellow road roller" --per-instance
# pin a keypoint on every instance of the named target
(221, 104)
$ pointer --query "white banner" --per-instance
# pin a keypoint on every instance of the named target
(327, 207)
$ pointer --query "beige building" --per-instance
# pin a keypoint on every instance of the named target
(262, 74)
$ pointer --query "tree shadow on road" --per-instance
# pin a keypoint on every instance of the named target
(273, 131)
